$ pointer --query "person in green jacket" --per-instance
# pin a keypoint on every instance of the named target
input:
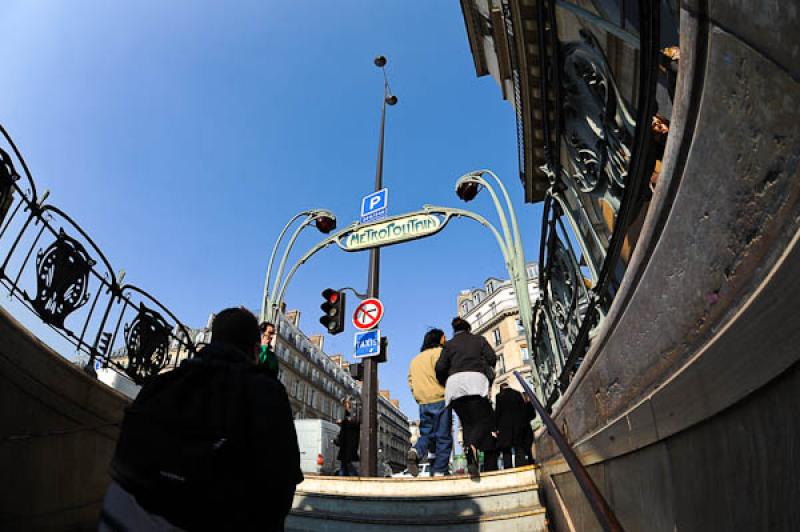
(267, 356)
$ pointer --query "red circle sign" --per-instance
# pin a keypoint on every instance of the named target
(368, 314)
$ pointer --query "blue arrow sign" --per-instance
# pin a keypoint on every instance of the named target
(368, 343)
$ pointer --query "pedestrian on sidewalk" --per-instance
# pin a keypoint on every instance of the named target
(210, 445)
(267, 356)
(435, 417)
(464, 366)
(348, 439)
(513, 416)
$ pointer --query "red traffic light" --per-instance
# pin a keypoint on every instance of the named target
(333, 310)
(330, 295)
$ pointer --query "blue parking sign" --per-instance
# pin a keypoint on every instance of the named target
(368, 343)
(373, 206)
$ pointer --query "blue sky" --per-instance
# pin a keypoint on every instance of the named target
(183, 135)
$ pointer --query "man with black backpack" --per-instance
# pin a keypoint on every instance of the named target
(210, 445)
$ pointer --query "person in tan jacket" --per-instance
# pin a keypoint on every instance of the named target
(435, 417)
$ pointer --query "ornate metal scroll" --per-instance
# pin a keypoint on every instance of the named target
(147, 343)
(598, 126)
(547, 355)
(62, 279)
(8, 176)
(566, 293)
(72, 279)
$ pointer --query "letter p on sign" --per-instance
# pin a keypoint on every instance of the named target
(373, 206)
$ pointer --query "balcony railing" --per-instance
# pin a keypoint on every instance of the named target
(600, 166)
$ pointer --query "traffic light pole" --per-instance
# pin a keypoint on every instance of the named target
(369, 388)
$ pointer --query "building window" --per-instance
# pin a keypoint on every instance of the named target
(526, 356)
(501, 365)
(520, 328)
(497, 338)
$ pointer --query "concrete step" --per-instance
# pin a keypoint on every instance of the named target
(504, 500)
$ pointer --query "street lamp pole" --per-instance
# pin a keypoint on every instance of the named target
(325, 222)
(467, 187)
(369, 388)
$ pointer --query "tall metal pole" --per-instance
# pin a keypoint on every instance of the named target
(369, 389)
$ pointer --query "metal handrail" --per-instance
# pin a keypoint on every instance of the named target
(605, 515)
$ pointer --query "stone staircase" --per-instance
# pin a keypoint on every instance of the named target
(503, 500)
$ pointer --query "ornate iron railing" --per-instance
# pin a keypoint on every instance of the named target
(599, 167)
(54, 268)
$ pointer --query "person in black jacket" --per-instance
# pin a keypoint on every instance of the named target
(348, 440)
(210, 445)
(464, 367)
(513, 416)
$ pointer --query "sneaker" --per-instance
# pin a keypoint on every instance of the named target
(440, 474)
(413, 462)
(473, 466)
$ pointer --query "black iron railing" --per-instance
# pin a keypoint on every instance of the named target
(54, 268)
(599, 161)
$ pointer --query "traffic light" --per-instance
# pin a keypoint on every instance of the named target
(333, 310)
(357, 371)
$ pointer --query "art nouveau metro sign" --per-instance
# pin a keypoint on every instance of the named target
(391, 231)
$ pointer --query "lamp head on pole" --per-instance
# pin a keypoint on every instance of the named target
(325, 221)
(380, 61)
(466, 189)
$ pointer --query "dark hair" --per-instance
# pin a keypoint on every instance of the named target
(238, 327)
(460, 324)
(264, 324)
(433, 338)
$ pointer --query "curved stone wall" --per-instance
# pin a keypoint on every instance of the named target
(689, 374)
(58, 430)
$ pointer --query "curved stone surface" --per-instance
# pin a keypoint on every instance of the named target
(503, 500)
(58, 431)
(705, 329)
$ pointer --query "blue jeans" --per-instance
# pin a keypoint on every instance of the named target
(435, 434)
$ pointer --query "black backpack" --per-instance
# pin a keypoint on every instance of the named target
(182, 444)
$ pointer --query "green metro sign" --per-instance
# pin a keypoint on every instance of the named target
(391, 231)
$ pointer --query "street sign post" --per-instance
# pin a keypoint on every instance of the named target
(368, 314)
(374, 206)
(368, 344)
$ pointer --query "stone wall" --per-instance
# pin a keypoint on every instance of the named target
(58, 430)
(686, 405)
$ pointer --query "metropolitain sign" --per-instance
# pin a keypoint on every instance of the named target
(392, 231)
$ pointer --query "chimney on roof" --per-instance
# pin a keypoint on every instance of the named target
(318, 340)
(395, 403)
(385, 394)
(293, 317)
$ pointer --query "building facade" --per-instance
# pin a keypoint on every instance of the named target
(492, 311)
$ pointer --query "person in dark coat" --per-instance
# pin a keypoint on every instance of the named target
(513, 416)
(210, 445)
(464, 367)
(348, 440)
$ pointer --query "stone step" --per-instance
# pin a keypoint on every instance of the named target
(503, 500)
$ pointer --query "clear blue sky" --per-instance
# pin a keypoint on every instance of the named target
(183, 135)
